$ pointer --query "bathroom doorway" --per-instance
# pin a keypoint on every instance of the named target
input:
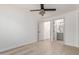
(59, 30)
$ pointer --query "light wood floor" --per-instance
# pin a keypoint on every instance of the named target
(45, 47)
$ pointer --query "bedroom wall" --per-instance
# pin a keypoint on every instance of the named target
(17, 27)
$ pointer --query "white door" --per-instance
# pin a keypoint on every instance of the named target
(44, 30)
(40, 31)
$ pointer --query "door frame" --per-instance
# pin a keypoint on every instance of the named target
(63, 29)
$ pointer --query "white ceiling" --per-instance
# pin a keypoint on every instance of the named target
(60, 8)
(37, 6)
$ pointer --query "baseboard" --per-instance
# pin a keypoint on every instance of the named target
(20, 45)
(71, 45)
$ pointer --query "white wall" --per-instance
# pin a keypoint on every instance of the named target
(17, 27)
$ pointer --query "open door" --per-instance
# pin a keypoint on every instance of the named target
(59, 29)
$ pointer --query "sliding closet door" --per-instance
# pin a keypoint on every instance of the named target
(71, 29)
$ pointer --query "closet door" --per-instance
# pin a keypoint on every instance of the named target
(75, 25)
(71, 38)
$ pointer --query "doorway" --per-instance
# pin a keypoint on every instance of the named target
(59, 30)
(44, 30)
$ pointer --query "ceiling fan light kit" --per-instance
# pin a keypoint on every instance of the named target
(42, 10)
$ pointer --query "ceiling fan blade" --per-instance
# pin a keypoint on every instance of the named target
(50, 9)
(42, 6)
(35, 10)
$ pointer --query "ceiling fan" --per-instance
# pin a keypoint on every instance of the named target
(42, 10)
